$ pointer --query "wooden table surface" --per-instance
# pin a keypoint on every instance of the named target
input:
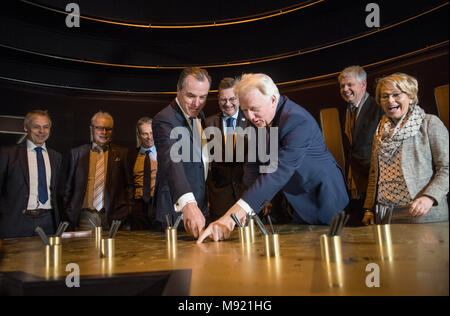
(419, 262)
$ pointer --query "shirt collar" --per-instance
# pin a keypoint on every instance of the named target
(143, 150)
(235, 116)
(96, 147)
(363, 99)
(31, 146)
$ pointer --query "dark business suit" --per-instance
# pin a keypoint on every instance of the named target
(117, 184)
(174, 179)
(14, 191)
(225, 178)
(307, 173)
(357, 154)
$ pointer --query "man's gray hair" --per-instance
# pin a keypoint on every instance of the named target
(198, 73)
(140, 122)
(353, 71)
(30, 114)
(101, 114)
(262, 82)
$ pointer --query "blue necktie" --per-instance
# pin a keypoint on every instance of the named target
(42, 176)
(230, 122)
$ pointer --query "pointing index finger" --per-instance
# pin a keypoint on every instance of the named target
(206, 233)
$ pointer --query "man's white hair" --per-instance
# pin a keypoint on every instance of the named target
(262, 82)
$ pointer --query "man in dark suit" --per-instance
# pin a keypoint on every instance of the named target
(180, 184)
(304, 170)
(98, 186)
(361, 120)
(143, 167)
(29, 174)
(225, 178)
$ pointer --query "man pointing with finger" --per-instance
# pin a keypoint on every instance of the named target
(306, 172)
(181, 186)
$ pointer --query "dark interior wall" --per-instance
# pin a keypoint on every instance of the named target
(71, 110)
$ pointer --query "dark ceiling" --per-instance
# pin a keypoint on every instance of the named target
(322, 37)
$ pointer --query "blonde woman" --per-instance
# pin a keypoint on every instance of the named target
(409, 162)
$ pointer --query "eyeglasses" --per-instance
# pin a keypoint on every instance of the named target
(396, 95)
(232, 100)
(102, 128)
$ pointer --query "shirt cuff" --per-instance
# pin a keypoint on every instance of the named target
(183, 200)
(246, 207)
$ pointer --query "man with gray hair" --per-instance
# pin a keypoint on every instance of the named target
(306, 172)
(29, 175)
(181, 185)
(98, 188)
(361, 120)
(143, 167)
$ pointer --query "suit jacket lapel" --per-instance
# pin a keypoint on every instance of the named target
(112, 154)
(23, 157)
(361, 114)
(241, 120)
(84, 157)
(51, 157)
(180, 117)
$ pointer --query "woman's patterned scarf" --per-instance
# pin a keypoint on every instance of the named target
(390, 136)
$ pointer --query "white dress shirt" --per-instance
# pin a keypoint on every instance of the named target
(189, 197)
(33, 199)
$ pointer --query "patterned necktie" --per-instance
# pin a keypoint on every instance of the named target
(42, 176)
(99, 182)
(147, 175)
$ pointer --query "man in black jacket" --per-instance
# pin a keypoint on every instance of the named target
(225, 185)
(361, 120)
(29, 174)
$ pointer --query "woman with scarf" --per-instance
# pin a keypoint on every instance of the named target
(409, 162)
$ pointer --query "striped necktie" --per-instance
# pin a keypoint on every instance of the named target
(99, 183)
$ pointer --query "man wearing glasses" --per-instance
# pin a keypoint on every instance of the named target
(99, 186)
(225, 180)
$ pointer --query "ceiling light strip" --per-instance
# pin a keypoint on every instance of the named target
(305, 80)
(247, 19)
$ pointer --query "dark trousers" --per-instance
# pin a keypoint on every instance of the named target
(356, 212)
(45, 221)
(87, 216)
(143, 216)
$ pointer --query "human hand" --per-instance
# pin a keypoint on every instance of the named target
(222, 228)
(421, 206)
(266, 210)
(193, 219)
(369, 218)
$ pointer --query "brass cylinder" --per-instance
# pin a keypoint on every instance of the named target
(251, 225)
(98, 236)
(171, 236)
(54, 240)
(244, 235)
(98, 232)
(272, 243)
(384, 241)
(108, 248)
(331, 248)
(53, 255)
